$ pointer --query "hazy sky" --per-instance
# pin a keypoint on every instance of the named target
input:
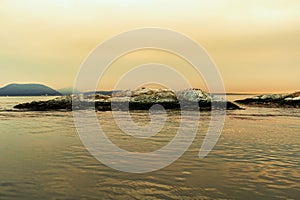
(255, 44)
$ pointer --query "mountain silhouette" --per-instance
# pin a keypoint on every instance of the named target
(28, 90)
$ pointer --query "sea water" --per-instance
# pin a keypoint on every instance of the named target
(257, 157)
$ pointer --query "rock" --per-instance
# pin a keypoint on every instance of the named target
(102, 97)
(141, 99)
(148, 95)
(273, 100)
(60, 103)
(193, 95)
(126, 93)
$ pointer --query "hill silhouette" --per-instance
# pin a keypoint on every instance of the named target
(28, 90)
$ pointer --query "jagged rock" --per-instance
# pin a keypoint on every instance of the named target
(60, 103)
(273, 100)
(102, 97)
(148, 95)
(141, 99)
(193, 95)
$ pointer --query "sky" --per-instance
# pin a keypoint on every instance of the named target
(255, 44)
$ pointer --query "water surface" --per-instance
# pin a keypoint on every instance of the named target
(256, 157)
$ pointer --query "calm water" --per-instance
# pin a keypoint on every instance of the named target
(256, 157)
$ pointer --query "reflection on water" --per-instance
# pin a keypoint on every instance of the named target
(257, 156)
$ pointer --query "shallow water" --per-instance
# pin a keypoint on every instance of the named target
(256, 157)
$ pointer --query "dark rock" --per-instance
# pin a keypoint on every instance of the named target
(142, 99)
(273, 101)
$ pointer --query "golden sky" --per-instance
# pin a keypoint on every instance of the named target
(255, 44)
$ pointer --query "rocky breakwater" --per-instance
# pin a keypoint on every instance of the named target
(140, 99)
(273, 100)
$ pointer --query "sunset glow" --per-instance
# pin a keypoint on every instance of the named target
(255, 44)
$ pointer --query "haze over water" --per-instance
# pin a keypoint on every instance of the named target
(256, 157)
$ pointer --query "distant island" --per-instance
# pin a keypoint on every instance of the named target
(15, 89)
(28, 90)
